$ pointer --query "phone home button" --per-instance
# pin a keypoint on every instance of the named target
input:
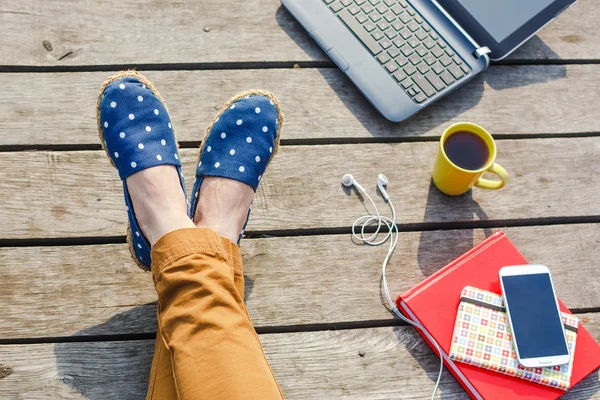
(544, 362)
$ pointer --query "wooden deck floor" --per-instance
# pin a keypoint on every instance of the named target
(79, 318)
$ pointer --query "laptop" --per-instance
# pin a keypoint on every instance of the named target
(405, 54)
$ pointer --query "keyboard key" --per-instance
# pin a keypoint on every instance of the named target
(354, 9)
(434, 36)
(382, 8)
(438, 68)
(383, 25)
(429, 59)
(385, 43)
(359, 31)
(375, 16)
(329, 1)
(389, 2)
(437, 52)
(369, 26)
(414, 42)
(361, 17)
(397, 9)
(367, 8)
(377, 34)
(391, 66)
(420, 98)
(409, 69)
(447, 78)
(346, 3)
(423, 68)
(401, 60)
(383, 57)
(437, 83)
(390, 33)
(336, 6)
(456, 71)
(429, 43)
(442, 44)
(445, 60)
(412, 91)
(449, 52)
(414, 59)
(406, 50)
(404, 17)
(389, 16)
(407, 83)
(399, 42)
(465, 69)
(397, 25)
(411, 11)
(405, 32)
(403, 3)
(400, 75)
(393, 52)
(426, 27)
(359, 2)
(457, 60)
(424, 85)
(421, 50)
(374, 2)
(419, 20)
(413, 26)
(421, 35)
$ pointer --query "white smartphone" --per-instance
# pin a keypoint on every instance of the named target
(534, 316)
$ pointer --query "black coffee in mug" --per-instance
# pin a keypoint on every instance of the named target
(467, 150)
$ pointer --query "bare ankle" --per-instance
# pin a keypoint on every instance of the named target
(158, 201)
(223, 206)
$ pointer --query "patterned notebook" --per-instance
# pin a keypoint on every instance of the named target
(482, 337)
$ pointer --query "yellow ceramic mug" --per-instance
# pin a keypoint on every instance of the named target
(454, 180)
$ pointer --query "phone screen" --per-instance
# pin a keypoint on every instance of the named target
(537, 325)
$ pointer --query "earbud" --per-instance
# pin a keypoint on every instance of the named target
(382, 182)
(348, 181)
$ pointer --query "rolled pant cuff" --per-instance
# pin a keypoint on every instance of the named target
(182, 242)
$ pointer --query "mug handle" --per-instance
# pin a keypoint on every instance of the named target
(500, 172)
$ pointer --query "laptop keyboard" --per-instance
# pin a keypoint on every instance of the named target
(408, 48)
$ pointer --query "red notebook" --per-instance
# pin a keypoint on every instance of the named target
(434, 303)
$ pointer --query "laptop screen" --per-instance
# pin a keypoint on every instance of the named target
(502, 25)
(502, 18)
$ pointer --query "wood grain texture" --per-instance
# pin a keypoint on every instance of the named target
(78, 194)
(96, 290)
(70, 32)
(395, 364)
(505, 99)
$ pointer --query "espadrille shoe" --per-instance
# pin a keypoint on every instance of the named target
(240, 142)
(136, 133)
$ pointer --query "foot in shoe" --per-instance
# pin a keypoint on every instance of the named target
(158, 201)
(223, 206)
(237, 148)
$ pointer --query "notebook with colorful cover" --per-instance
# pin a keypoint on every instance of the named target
(434, 303)
(482, 337)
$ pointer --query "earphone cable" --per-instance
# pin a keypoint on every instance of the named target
(392, 235)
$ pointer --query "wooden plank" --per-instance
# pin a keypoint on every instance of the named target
(118, 32)
(73, 194)
(96, 290)
(380, 363)
(506, 100)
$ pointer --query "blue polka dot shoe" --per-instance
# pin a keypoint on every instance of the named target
(136, 133)
(240, 142)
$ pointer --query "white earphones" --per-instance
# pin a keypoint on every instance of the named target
(382, 181)
(366, 220)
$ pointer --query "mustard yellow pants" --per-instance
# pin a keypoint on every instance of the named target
(206, 347)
